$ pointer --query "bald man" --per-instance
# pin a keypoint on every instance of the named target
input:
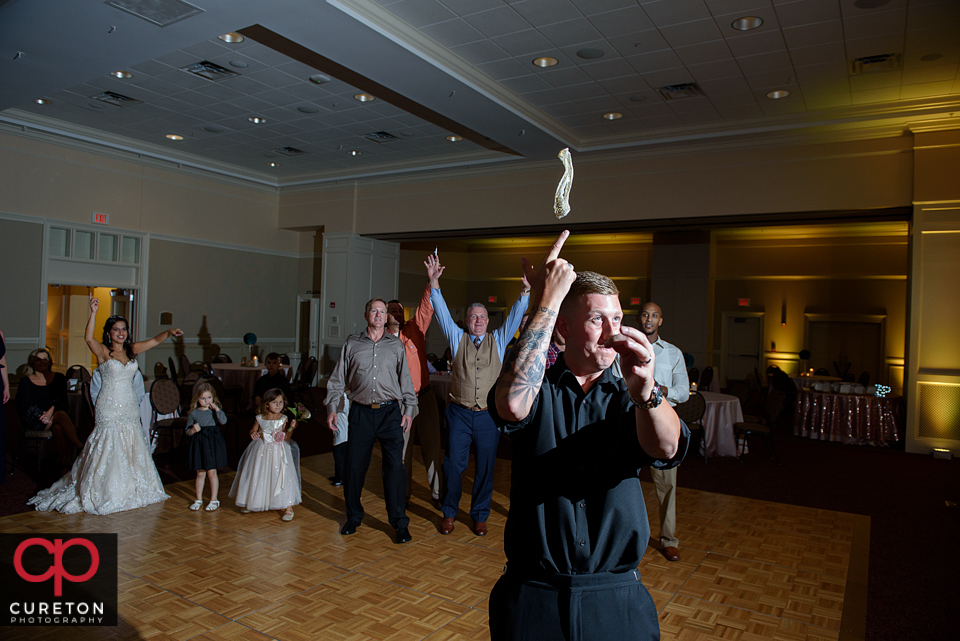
(670, 372)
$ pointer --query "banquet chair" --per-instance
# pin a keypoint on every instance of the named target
(30, 438)
(304, 385)
(185, 367)
(706, 378)
(864, 379)
(284, 359)
(691, 412)
(78, 372)
(165, 399)
(186, 387)
(772, 406)
(822, 371)
(693, 375)
(173, 369)
(222, 358)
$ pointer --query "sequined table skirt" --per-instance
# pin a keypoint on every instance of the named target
(848, 418)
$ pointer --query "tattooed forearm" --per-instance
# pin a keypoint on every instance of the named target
(525, 368)
(547, 311)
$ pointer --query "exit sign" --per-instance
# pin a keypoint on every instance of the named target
(491, 299)
(635, 301)
(743, 302)
(101, 219)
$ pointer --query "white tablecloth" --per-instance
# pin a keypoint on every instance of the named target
(245, 377)
(440, 384)
(722, 412)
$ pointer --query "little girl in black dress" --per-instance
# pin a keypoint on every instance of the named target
(207, 449)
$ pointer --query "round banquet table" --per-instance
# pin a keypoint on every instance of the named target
(808, 381)
(723, 411)
(245, 377)
(848, 418)
(440, 384)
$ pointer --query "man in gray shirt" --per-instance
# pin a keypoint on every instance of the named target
(372, 371)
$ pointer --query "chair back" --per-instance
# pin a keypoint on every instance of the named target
(184, 365)
(850, 378)
(311, 372)
(173, 369)
(772, 406)
(693, 375)
(164, 396)
(864, 379)
(692, 410)
(284, 359)
(741, 390)
(190, 380)
(222, 358)
(822, 371)
(706, 377)
(78, 372)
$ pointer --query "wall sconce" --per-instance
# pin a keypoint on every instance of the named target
(783, 315)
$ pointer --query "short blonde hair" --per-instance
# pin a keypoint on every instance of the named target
(587, 283)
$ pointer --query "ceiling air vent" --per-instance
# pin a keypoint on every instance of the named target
(210, 71)
(679, 92)
(290, 151)
(158, 12)
(119, 100)
(381, 137)
(875, 64)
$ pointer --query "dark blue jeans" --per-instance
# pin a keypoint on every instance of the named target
(469, 428)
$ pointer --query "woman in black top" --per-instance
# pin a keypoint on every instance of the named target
(42, 404)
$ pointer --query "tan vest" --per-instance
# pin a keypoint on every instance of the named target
(474, 371)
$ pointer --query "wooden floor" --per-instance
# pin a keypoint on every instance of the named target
(750, 569)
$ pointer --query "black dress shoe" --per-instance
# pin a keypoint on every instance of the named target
(350, 527)
(335, 481)
(403, 535)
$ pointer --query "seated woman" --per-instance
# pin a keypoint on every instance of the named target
(42, 404)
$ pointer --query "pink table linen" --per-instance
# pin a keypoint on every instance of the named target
(722, 412)
(848, 418)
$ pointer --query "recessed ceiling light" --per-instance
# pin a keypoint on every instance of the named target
(273, 164)
(307, 109)
(363, 97)
(545, 62)
(454, 138)
(231, 37)
(257, 120)
(613, 115)
(590, 53)
(746, 23)
(239, 64)
(42, 101)
(122, 75)
(174, 137)
(930, 57)
(354, 152)
(320, 79)
(778, 94)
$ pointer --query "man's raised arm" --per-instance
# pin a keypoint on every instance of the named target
(520, 382)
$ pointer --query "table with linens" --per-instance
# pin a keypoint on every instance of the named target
(809, 380)
(244, 377)
(848, 418)
(722, 412)
(441, 384)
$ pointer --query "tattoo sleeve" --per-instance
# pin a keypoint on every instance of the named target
(525, 366)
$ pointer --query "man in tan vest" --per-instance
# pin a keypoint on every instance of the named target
(476, 356)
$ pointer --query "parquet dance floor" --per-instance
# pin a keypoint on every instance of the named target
(750, 569)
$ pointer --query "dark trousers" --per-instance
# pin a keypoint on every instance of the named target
(339, 459)
(469, 428)
(592, 607)
(366, 426)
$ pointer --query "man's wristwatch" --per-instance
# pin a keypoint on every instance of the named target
(654, 401)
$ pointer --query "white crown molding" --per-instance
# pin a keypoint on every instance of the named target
(21, 340)
(22, 218)
(413, 40)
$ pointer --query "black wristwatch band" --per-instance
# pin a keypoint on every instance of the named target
(654, 401)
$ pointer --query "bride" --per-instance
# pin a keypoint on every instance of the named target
(115, 471)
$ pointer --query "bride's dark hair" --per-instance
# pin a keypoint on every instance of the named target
(127, 343)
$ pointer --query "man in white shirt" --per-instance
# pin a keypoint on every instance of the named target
(670, 372)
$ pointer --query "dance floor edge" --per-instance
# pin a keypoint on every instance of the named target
(749, 570)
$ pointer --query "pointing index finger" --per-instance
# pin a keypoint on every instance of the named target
(556, 247)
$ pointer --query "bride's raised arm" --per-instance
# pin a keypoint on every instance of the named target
(142, 346)
(101, 351)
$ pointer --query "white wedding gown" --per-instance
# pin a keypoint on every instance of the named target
(115, 471)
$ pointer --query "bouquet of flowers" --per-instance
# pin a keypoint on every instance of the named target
(299, 412)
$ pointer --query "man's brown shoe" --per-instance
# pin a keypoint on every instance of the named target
(479, 528)
(447, 526)
(671, 553)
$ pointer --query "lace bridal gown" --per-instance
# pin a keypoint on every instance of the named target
(115, 471)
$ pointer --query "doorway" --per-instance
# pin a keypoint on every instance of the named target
(846, 345)
(68, 309)
(741, 344)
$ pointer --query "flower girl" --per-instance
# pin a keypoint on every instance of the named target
(268, 475)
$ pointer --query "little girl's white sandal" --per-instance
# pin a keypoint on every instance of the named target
(196, 505)
(287, 515)
(212, 506)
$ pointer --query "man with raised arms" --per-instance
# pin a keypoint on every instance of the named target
(578, 526)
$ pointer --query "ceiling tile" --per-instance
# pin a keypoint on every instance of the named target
(944, 40)
(177, 59)
(910, 92)
(636, 43)
(224, 108)
(481, 51)
(700, 117)
(562, 109)
(600, 105)
(540, 13)
(584, 91)
(466, 7)
(891, 43)
(635, 98)
(591, 7)
(667, 77)
(704, 53)
(770, 80)
(155, 85)
(765, 62)
(626, 84)
(564, 77)
(654, 61)
(758, 43)
(818, 54)
(876, 23)
(502, 69)
(497, 22)
(622, 22)
(814, 99)
(715, 70)
(205, 50)
(740, 112)
(795, 14)
(247, 85)
(452, 33)
(151, 68)
(662, 122)
(720, 86)
(689, 105)
(791, 104)
(651, 110)
(544, 97)
(608, 69)
(691, 33)
(667, 12)
(277, 79)
(875, 96)
(832, 72)
(577, 120)
(870, 81)
(733, 99)
(571, 32)
(524, 84)
(523, 43)
(933, 14)
(420, 13)
(919, 75)
(721, 7)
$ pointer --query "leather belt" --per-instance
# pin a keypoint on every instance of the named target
(423, 390)
(376, 406)
(472, 409)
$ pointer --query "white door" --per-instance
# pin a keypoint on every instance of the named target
(742, 339)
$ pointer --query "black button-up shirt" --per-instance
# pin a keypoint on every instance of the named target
(576, 506)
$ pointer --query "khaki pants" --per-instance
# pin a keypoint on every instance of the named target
(666, 483)
(427, 425)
